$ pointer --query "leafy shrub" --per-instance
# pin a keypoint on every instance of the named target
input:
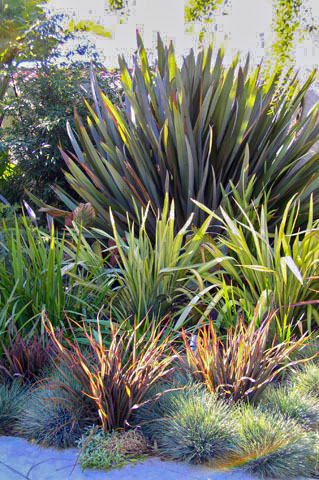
(303, 409)
(266, 271)
(241, 366)
(44, 101)
(306, 382)
(115, 379)
(273, 446)
(9, 175)
(195, 132)
(13, 396)
(50, 423)
(102, 450)
(190, 425)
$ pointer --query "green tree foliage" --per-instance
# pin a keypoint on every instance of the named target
(202, 9)
(285, 25)
(44, 101)
(116, 4)
(17, 20)
(39, 103)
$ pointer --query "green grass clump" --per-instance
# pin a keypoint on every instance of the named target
(309, 350)
(273, 446)
(288, 402)
(12, 398)
(104, 451)
(51, 423)
(191, 425)
(314, 458)
(306, 381)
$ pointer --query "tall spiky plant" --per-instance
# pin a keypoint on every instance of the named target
(195, 132)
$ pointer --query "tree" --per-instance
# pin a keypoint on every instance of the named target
(286, 24)
(45, 102)
(40, 103)
(203, 10)
(18, 18)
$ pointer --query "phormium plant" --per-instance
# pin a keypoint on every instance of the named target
(114, 378)
(194, 132)
(241, 366)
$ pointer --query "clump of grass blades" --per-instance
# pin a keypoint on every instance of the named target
(158, 406)
(273, 446)
(306, 381)
(115, 379)
(49, 422)
(288, 402)
(314, 459)
(12, 398)
(102, 450)
(25, 357)
(241, 366)
(191, 425)
(265, 270)
(149, 274)
(309, 351)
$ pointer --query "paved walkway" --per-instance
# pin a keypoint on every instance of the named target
(22, 460)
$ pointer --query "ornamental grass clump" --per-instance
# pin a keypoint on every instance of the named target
(272, 446)
(24, 356)
(265, 270)
(189, 424)
(13, 396)
(306, 381)
(200, 430)
(33, 279)
(49, 421)
(150, 276)
(290, 403)
(116, 378)
(241, 366)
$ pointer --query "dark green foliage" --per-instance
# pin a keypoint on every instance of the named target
(18, 19)
(12, 399)
(33, 279)
(44, 101)
(288, 402)
(8, 175)
(273, 446)
(191, 425)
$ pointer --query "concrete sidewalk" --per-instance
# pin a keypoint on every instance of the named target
(22, 460)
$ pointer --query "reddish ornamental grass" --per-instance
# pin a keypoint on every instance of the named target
(117, 378)
(241, 366)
